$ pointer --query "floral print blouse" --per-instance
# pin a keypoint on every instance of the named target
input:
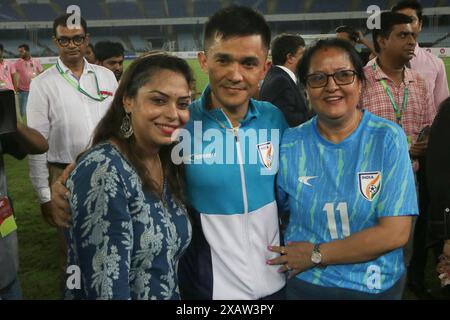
(125, 241)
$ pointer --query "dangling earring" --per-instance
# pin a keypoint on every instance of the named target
(126, 130)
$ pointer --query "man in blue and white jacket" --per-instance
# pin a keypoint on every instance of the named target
(230, 150)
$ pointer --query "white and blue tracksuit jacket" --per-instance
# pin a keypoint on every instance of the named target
(231, 187)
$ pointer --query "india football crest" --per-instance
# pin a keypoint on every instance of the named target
(265, 151)
(369, 184)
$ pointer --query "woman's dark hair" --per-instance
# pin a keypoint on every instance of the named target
(343, 45)
(137, 75)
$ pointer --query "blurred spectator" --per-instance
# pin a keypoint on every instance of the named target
(438, 181)
(393, 91)
(430, 67)
(8, 75)
(355, 37)
(396, 92)
(90, 54)
(27, 69)
(432, 70)
(281, 86)
(111, 56)
(22, 141)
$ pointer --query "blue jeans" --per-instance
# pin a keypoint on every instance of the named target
(301, 290)
(11, 292)
(23, 100)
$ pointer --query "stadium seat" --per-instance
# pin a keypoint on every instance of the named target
(38, 11)
(330, 6)
(90, 10)
(7, 13)
(177, 8)
(290, 7)
(203, 8)
(124, 10)
(154, 8)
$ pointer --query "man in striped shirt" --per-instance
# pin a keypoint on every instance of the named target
(393, 91)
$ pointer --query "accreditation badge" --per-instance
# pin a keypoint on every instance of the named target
(2, 84)
(7, 221)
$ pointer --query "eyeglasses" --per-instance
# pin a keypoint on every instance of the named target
(320, 79)
(77, 40)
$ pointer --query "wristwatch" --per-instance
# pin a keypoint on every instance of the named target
(316, 256)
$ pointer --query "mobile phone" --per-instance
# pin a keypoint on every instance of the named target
(424, 133)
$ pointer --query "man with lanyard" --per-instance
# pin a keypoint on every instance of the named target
(8, 77)
(27, 68)
(395, 92)
(432, 69)
(234, 210)
(65, 104)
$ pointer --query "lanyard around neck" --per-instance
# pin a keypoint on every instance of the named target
(100, 97)
(398, 113)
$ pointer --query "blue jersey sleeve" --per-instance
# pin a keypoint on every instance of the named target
(287, 143)
(398, 192)
(101, 237)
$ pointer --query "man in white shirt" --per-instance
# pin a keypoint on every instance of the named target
(65, 104)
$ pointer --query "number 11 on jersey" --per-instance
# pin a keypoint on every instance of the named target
(331, 217)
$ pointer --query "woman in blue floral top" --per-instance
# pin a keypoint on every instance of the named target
(130, 226)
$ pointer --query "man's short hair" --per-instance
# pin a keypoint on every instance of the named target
(409, 4)
(63, 19)
(1, 47)
(353, 35)
(236, 21)
(284, 44)
(25, 47)
(107, 49)
(388, 21)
